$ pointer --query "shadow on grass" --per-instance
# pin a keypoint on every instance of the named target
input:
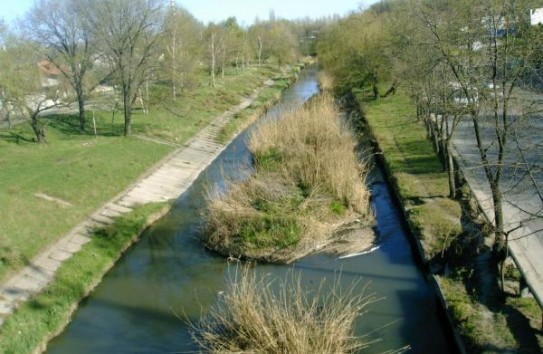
(15, 138)
(68, 125)
(473, 261)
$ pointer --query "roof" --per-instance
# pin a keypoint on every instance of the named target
(49, 68)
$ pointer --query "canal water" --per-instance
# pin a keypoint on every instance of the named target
(143, 302)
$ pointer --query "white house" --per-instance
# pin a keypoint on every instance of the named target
(536, 16)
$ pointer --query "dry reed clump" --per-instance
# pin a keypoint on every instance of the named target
(255, 215)
(257, 316)
(326, 81)
(316, 150)
(308, 185)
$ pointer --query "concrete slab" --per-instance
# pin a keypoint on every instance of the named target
(80, 239)
(60, 255)
(71, 247)
(110, 213)
(117, 207)
(6, 307)
(47, 263)
(15, 295)
(39, 275)
(29, 285)
(102, 219)
(522, 204)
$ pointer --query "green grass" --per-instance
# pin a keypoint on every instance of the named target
(415, 168)
(483, 330)
(84, 171)
(529, 308)
(268, 230)
(270, 159)
(37, 320)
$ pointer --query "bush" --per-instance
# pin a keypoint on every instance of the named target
(254, 315)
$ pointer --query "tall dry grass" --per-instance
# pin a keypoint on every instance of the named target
(326, 81)
(254, 315)
(308, 184)
(316, 150)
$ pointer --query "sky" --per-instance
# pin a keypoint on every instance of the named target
(217, 10)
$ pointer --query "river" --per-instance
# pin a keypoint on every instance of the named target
(142, 303)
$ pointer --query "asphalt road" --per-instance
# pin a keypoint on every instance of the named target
(522, 182)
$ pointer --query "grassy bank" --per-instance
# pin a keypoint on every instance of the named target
(308, 185)
(39, 319)
(487, 325)
(415, 169)
(48, 189)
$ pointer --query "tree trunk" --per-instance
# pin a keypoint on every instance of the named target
(212, 73)
(38, 130)
(81, 105)
(497, 199)
(451, 172)
(392, 89)
(259, 51)
(127, 111)
(375, 90)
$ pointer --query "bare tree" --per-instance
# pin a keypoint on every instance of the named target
(127, 32)
(22, 94)
(56, 28)
(215, 35)
(257, 34)
(482, 44)
(182, 48)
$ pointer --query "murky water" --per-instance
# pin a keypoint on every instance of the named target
(168, 276)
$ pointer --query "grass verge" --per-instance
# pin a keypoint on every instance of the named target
(252, 316)
(308, 185)
(415, 169)
(38, 320)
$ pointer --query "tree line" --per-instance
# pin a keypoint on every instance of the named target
(127, 44)
(460, 61)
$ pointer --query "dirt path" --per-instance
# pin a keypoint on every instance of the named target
(165, 181)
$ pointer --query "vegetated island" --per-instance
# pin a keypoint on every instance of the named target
(307, 194)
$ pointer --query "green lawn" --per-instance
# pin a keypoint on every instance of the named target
(415, 167)
(83, 171)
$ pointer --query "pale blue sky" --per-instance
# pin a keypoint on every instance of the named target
(217, 10)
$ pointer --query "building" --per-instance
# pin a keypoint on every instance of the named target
(536, 16)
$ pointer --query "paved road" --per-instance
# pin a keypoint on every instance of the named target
(522, 181)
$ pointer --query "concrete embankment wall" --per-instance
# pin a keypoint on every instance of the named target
(417, 247)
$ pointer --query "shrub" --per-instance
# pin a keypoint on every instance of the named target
(254, 315)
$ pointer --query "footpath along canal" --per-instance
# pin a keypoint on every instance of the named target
(142, 304)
